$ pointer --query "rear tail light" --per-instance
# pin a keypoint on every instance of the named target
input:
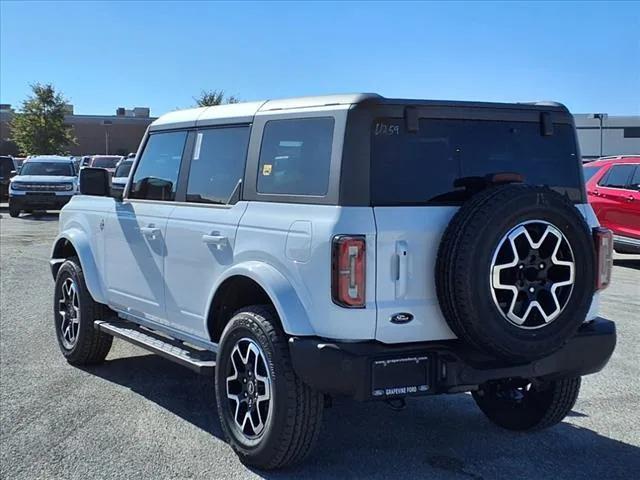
(348, 271)
(603, 239)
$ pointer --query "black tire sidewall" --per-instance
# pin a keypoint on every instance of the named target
(244, 325)
(484, 323)
(71, 269)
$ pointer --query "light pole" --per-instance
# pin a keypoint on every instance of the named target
(107, 124)
(601, 117)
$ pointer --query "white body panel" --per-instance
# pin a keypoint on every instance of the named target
(200, 242)
(295, 239)
(407, 245)
(134, 236)
(170, 277)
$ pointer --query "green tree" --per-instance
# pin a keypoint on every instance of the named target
(209, 98)
(39, 129)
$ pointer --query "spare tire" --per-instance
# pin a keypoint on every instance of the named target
(515, 272)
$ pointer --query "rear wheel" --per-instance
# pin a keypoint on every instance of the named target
(517, 404)
(270, 417)
(74, 312)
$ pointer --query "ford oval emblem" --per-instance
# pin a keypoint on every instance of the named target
(401, 317)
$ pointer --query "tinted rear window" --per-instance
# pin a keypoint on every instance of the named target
(295, 156)
(421, 168)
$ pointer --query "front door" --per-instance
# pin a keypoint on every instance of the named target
(201, 232)
(135, 231)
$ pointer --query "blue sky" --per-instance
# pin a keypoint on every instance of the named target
(162, 54)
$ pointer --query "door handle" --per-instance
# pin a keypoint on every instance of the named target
(630, 198)
(150, 232)
(402, 273)
(220, 241)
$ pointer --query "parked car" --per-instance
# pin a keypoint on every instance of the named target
(7, 171)
(613, 187)
(45, 182)
(18, 161)
(109, 162)
(345, 245)
(86, 161)
(120, 177)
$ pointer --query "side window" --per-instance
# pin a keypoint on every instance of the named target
(156, 176)
(635, 180)
(217, 165)
(618, 176)
(295, 156)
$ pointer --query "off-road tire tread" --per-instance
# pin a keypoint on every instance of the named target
(306, 405)
(445, 257)
(94, 345)
(565, 394)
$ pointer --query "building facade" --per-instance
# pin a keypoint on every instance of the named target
(602, 135)
(117, 134)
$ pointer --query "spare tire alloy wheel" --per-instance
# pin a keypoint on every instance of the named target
(69, 313)
(248, 388)
(532, 274)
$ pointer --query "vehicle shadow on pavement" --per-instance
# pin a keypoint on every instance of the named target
(627, 263)
(434, 437)
(169, 385)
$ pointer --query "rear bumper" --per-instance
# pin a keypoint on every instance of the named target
(45, 202)
(350, 368)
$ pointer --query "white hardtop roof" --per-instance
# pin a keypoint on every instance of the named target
(49, 158)
(244, 112)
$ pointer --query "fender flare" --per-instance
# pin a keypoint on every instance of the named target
(80, 243)
(285, 299)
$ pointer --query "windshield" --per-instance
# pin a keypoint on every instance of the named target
(426, 167)
(47, 168)
(123, 169)
(590, 172)
(105, 162)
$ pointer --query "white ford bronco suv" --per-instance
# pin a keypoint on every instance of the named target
(347, 245)
(44, 182)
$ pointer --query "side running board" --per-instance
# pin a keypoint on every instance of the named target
(200, 361)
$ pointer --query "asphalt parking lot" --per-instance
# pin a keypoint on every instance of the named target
(140, 416)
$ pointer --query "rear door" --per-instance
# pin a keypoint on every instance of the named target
(613, 198)
(201, 232)
(415, 191)
(630, 218)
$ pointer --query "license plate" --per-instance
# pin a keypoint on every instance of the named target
(400, 376)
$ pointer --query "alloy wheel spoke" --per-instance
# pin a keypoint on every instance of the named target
(531, 273)
(248, 390)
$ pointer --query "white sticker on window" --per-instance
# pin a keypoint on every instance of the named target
(196, 150)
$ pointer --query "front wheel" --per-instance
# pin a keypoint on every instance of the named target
(74, 312)
(13, 211)
(517, 404)
(270, 417)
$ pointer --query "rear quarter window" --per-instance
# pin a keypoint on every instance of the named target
(421, 168)
(295, 157)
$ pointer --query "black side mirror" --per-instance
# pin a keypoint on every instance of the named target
(12, 173)
(95, 181)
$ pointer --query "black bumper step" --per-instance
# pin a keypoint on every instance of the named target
(200, 361)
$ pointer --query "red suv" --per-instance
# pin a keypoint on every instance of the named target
(613, 187)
